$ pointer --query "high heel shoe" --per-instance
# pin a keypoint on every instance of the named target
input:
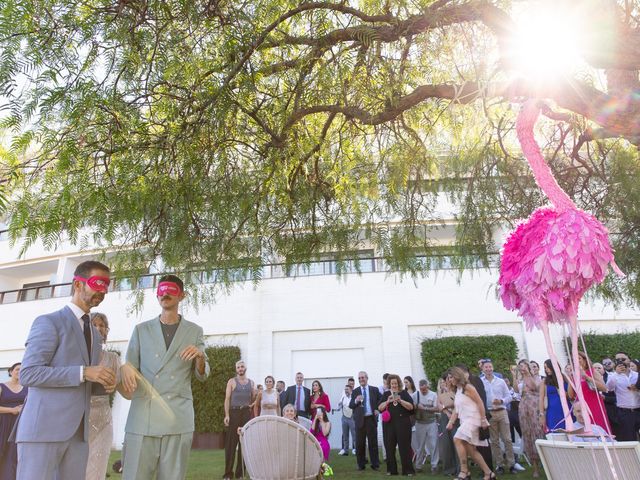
(492, 476)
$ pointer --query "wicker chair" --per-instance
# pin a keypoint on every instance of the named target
(589, 460)
(275, 448)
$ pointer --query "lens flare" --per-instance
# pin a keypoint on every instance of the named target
(547, 42)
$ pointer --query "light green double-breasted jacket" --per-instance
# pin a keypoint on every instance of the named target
(163, 404)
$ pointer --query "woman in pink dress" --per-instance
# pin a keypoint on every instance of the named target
(318, 399)
(469, 409)
(592, 384)
(321, 427)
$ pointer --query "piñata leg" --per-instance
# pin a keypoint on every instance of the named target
(544, 325)
(573, 321)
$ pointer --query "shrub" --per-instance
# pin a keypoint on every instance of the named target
(438, 354)
(600, 345)
(208, 396)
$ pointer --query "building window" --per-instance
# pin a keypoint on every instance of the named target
(33, 291)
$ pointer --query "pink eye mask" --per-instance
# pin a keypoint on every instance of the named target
(168, 288)
(97, 283)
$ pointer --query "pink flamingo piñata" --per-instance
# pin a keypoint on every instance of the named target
(552, 259)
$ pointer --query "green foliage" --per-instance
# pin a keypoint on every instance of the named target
(600, 345)
(224, 135)
(438, 354)
(208, 396)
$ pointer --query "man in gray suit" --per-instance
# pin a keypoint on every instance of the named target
(162, 354)
(60, 362)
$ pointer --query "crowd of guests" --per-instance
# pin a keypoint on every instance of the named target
(469, 418)
(51, 432)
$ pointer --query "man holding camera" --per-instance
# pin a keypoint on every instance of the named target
(623, 382)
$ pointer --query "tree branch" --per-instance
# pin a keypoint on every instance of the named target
(622, 118)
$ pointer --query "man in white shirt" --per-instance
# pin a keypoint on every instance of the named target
(623, 383)
(425, 435)
(498, 398)
(348, 424)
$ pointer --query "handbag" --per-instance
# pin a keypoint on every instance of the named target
(386, 416)
(484, 433)
(421, 416)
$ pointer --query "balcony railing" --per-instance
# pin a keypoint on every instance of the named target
(269, 271)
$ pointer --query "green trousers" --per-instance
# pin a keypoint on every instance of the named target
(161, 458)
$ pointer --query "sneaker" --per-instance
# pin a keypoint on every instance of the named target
(353, 451)
(342, 452)
(518, 467)
(499, 471)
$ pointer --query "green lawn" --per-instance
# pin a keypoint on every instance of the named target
(209, 464)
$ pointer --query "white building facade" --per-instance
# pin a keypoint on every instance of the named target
(327, 327)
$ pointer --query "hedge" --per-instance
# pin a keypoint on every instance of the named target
(600, 345)
(438, 354)
(208, 396)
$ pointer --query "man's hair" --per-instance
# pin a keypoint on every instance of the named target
(172, 278)
(84, 269)
(423, 382)
(280, 381)
(299, 373)
(240, 362)
(385, 376)
(623, 353)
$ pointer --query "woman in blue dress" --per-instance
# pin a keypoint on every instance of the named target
(551, 414)
(12, 396)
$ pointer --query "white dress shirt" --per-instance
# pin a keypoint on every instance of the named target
(620, 382)
(344, 404)
(78, 312)
(496, 388)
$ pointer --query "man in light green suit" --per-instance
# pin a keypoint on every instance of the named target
(162, 354)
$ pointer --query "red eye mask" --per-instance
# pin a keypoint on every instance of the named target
(97, 283)
(168, 288)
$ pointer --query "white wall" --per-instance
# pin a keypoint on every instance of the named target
(327, 327)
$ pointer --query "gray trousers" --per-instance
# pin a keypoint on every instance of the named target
(348, 426)
(163, 458)
(426, 440)
(54, 460)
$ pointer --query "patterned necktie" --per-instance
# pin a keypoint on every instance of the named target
(87, 333)
(365, 402)
(298, 399)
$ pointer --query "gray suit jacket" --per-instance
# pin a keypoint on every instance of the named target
(163, 404)
(58, 401)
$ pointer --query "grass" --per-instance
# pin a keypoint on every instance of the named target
(209, 464)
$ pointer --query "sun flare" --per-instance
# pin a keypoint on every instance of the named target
(547, 41)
